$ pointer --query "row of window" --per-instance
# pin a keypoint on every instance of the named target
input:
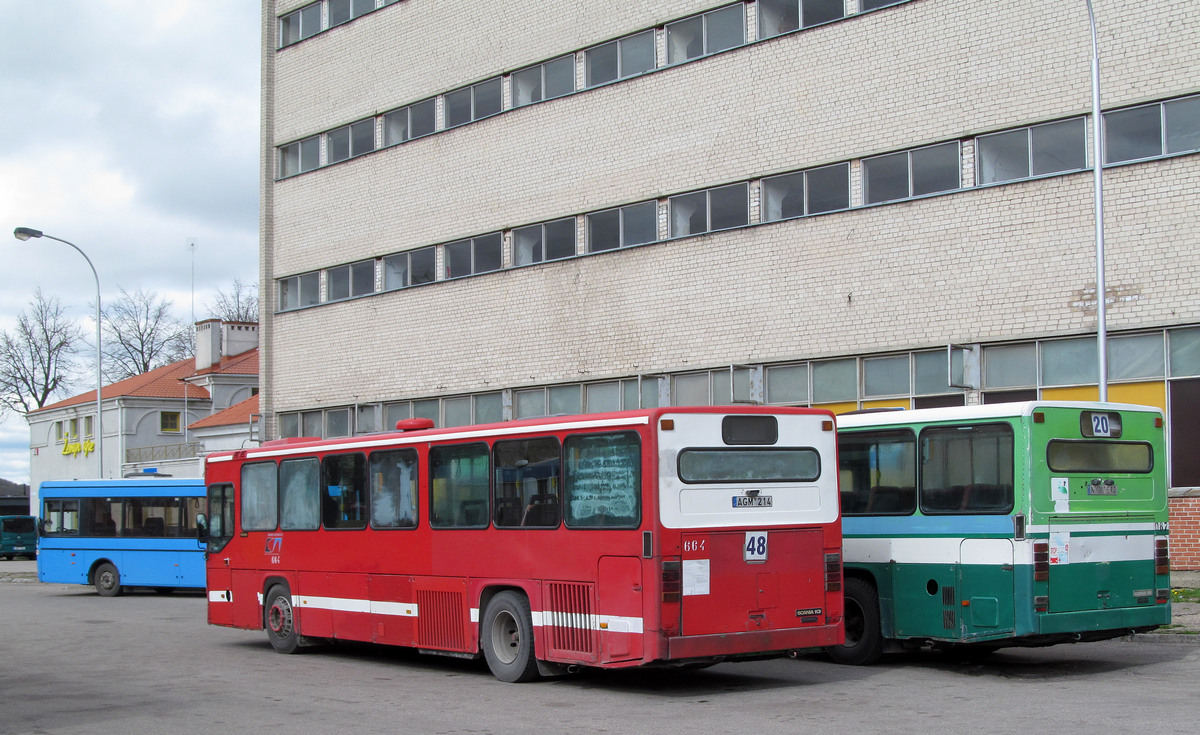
(686, 39)
(1038, 150)
(67, 430)
(125, 517)
(924, 376)
(584, 481)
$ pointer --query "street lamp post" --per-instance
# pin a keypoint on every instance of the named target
(1098, 186)
(25, 233)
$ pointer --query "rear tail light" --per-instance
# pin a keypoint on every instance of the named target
(1041, 603)
(833, 572)
(672, 581)
(1041, 561)
(1162, 556)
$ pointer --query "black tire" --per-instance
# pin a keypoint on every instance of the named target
(507, 638)
(107, 580)
(864, 639)
(280, 620)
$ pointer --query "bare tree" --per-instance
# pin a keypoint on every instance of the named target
(141, 334)
(37, 360)
(240, 305)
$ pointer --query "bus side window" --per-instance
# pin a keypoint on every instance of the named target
(967, 469)
(527, 482)
(603, 480)
(458, 486)
(344, 491)
(393, 488)
(878, 472)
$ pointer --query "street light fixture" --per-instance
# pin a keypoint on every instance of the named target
(25, 233)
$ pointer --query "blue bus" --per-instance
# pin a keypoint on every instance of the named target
(115, 534)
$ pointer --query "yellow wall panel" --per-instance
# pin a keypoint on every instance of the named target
(1077, 393)
(1143, 394)
(838, 407)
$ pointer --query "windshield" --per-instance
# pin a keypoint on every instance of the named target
(18, 525)
(1100, 456)
(749, 465)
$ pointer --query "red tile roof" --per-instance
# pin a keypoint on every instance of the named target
(238, 413)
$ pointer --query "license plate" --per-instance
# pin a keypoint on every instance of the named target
(751, 501)
(18, 548)
(1102, 489)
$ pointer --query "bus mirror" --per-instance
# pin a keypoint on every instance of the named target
(43, 526)
(202, 527)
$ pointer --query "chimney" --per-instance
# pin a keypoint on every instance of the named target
(208, 343)
(238, 337)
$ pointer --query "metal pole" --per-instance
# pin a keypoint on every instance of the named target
(1098, 183)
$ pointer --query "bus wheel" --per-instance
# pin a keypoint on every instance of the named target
(107, 580)
(864, 639)
(507, 638)
(281, 623)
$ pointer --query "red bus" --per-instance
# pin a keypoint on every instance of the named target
(667, 536)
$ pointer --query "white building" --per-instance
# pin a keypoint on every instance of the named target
(565, 207)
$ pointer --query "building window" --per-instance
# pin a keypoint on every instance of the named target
(296, 158)
(787, 384)
(409, 269)
(473, 103)
(865, 5)
(885, 376)
(356, 279)
(547, 241)
(58, 432)
(341, 11)
(351, 140)
(705, 34)
(168, 422)
(300, 24)
(1152, 130)
(911, 173)
(835, 380)
(299, 291)
(475, 255)
(782, 16)
(545, 81)
(621, 227)
(817, 190)
(619, 59)
(1069, 362)
(1010, 366)
(1034, 151)
(400, 126)
(706, 211)
(87, 426)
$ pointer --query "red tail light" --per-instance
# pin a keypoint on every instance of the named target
(672, 581)
(1162, 557)
(1041, 561)
(833, 572)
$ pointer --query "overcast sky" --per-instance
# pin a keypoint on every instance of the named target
(129, 128)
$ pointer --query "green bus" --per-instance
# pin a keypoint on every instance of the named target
(1013, 524)
(18, 537)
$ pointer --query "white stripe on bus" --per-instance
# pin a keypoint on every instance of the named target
(1081, 549)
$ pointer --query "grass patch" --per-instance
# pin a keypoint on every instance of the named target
(1185, 594)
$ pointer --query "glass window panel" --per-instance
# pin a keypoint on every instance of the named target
(559, 77)
(560, 239)
(394, 412)
(1183, 125)
(604, 230)
(337, 423)
(1132, 134)
(728, 206)
(339, 11)
(835, 380)
(822, 11)
(362, 278)
(865, 5)
(1010, 366)
(886, 178)
(527, 475)
(488, 98)
(489, 408)
(725, 28)
(260, 497)
(783, 197)
(310, 289)
(395, 271)
(344, 491)
(487, 252)
(787, 384)
(289, 424)
(637, 53)
(689, 214)
(312, 423)
(886, 376)
(527, 86)
(458, 107)
(935, 169)
(629, 394)
(527, 245)
(338, 144)
(1185, 352)
(564, 399)
(289, 293)
(966, 469)
(362, 137)
(1059, 146)
(299, 495)
(600, 63)
(339, 283)
(367, 419)
(395, 127)
(393, 488)
(422, 118)
(428, 409)
(1069, 361)
(685, 40)
(639, 223)
(458, 258)
(457, 411)
(421, 266)
(1003, 156)
(691, 390)
(929, 372)
(529, 403)
(1136, 356)
(649, 389)
(602, 480)
(310, 20)
(828, 188)
(730, 386)
(878, 472)
(459, 486)
(777, 16)
(603, 397)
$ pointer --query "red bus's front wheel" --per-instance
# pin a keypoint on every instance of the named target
(281, 623)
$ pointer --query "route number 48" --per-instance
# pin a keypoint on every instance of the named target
(756, 546)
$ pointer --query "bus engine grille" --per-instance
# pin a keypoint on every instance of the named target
(441, 623)
(568, 618)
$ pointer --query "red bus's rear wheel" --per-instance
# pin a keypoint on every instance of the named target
(281, 622)
(864, 638)
(507, 638)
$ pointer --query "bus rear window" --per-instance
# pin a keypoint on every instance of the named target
(749, 465)
(1099, 456)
